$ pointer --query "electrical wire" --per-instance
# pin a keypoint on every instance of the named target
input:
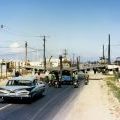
(10, 47)
(8, 30)
(116, 45)
(16, 53)
(35, 49)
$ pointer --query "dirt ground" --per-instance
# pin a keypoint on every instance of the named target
(95, 102)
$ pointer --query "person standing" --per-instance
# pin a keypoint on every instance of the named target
(38, 76)
(86, 78)
(76, 76)
(94, 69)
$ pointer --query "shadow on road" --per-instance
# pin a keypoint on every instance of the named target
(21, 101)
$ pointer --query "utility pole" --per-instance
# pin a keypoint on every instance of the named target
(103, 53)
(78, 63)
(109, 60)
(44, 57)
(61, 66)
(65, 54)
(79, 59)
(73, 58)
(26, 45)
(44, 51)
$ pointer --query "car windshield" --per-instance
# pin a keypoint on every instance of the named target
(19, 83)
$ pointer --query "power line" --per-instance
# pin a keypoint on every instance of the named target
(8, 30)
(16, 53)
(115, 45)
(35, 49)
(11, 47)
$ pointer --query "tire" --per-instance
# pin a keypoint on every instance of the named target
(4, 99)
(30, 99)
(43, 93)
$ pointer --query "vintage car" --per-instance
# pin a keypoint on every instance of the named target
(22, 88)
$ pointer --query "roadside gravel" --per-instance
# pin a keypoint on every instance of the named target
(94, 103)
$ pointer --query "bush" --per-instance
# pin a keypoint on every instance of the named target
(111, 82)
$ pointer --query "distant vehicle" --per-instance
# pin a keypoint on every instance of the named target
(22, 88)
(83, 76)
(111, 68)
(67, 76)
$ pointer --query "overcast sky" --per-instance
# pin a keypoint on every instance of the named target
(80, 26)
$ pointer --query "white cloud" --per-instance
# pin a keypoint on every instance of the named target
(15, 47)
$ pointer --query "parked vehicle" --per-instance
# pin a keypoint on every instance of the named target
(22, 88)
(111, 68)
(83, 76)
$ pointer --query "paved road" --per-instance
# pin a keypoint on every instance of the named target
(44, 108)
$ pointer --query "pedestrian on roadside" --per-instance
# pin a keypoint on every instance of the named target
(73, 76)
(17, 74)
(38, 76)
(94, 69)
(76, 76)
(87, 75)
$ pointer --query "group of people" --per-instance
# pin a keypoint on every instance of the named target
(76, 75)
(40, 75)
(51, 76)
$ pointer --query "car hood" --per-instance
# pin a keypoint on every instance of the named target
(14, 88)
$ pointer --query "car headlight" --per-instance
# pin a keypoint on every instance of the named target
(4, 91)
(75, 83)
(23, 92)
